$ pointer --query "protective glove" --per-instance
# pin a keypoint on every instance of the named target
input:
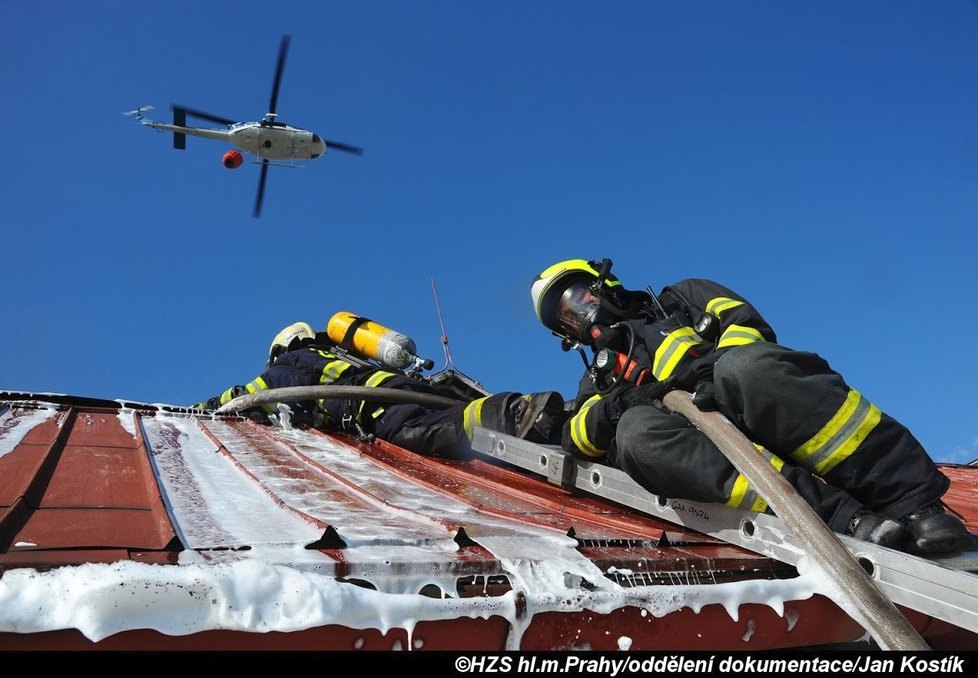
(209, 404)
(646, 394)
(703, 396)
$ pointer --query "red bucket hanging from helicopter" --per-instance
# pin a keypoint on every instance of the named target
(232, 159)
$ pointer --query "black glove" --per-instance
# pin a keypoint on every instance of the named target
(646, 394)
(703, 396)
(209, 404)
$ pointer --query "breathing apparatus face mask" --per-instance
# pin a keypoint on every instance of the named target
(579, 309)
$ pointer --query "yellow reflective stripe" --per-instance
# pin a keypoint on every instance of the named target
(579, 430)
(574, 265)
(738, 335)
(333, 370)
(840, 437)
(759, 505)
(472, 416)
(739, 491)
(260, 385)
(672, 350)
(742, 489)
(376, 413)
(721, 304)
(375, 379)
(255, 386)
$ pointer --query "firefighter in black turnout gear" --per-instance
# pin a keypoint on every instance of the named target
(696, 335)
(299, 356)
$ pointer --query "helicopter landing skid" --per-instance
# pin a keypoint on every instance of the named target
(276, 164)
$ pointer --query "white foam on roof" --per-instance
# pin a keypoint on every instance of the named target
(358, 519)
(213, 503)
(127, 420)
(276, 586)
(15, 424)
(251, 595)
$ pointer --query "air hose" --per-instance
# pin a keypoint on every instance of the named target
(374, 394)
(875, 611)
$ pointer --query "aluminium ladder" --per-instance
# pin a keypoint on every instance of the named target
(945, 588)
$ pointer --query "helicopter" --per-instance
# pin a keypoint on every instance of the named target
(268, 139)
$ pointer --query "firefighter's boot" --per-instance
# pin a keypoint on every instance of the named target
(541, 418)
(876, 529)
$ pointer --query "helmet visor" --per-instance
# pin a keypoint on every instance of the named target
(577, 309)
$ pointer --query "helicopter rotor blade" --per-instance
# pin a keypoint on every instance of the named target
(202, 115)
(260, 197)
(282, 53)
(343, 147)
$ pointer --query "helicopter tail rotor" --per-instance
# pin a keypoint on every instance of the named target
(138, 113)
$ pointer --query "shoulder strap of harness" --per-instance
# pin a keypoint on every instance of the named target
(350, 331)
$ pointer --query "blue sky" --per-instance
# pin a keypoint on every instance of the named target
(820, 158)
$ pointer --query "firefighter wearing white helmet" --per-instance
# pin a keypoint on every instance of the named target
(299, 356)
(283, 341)
(861, 471)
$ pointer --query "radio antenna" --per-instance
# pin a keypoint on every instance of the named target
(444, 335)
(457, 382)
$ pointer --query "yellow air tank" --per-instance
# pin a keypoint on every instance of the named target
(373, 340)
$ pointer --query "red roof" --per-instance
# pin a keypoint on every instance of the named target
(106, 482)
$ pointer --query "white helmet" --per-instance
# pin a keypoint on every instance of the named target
(282, 342)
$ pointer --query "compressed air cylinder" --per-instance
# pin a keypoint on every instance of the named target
(372, 340)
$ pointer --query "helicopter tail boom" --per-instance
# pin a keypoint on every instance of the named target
(180, 132)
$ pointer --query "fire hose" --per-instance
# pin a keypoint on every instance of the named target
(875, 611)
(374, 394)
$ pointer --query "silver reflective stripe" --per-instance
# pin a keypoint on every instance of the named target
(579, 429)
(741, 494)
(260, 385)
(672, 349)
(720, 304)
(472, 416)
(841, 436)
(738, 335)
(332, 371)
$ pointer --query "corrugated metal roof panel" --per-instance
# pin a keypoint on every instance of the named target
(78, 480)
(84, 482)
